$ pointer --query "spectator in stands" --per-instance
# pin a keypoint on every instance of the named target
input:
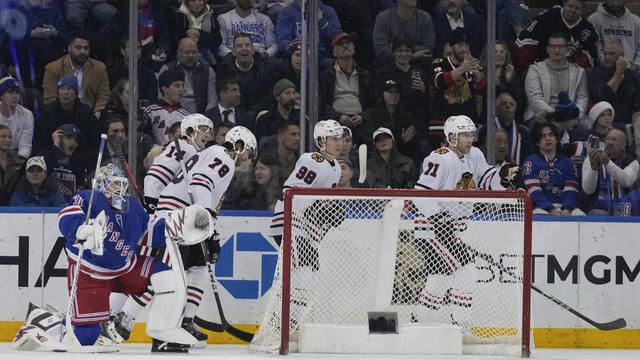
(283, 109)
(506, 78)
(390, 114)
(357, 18)
(287, 149)
(547, 79)
(44, 40)
(116, 131)
(167, 111)
(228, 110)
(147, 82)
(614, 22)
(551, 179)
(455, 17)
(221, 131)
(346, 174)
(608, 174)
(67, 109)
(386, 167)
(601, 117)
(457, 80)
(272, 8)
(77, 12)
(199, 77)
(196, 20)
(91, 74)
(288, 27)
(10, 166)
(36, 189)
(64, 164)
(518, 143)
(345, 88)
(412, 81)
(18, 118)
(613, 82)
(404, 20)
(119, 101)
(262, 190)
(292, 64)
(582, 38)
(245, 19)
(501, 146)
(253, 73)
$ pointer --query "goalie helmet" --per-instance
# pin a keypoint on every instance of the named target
(325, 129)
(113, 183)
(193, 122)
(249, 142)
(456, 125)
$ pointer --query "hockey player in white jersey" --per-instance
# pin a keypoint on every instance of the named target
(196, 131)
(313, 169)
(451, 271)
(209, 174)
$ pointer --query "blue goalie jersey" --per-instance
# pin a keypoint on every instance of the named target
(124, 232)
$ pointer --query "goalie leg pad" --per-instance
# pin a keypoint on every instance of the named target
(460, 296)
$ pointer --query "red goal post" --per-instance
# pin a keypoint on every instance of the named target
(498, 223)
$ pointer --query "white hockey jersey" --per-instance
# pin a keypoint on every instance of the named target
(444, 170)
(162, 116)
(165, 167)
(210, 171)
(312, 170)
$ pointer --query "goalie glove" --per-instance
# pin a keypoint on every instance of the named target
(150, 204)
(189, 226)
(92, 234)
(213, 247)
(510, 176)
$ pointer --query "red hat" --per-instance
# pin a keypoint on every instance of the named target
(340, 37)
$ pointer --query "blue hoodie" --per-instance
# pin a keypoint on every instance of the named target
(289, 28)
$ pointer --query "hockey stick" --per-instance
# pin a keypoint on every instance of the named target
(611, 325)
(225, 325)
(76, 271)
(362, 163)
(127, 169)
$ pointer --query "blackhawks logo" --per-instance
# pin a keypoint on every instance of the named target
(466, 182)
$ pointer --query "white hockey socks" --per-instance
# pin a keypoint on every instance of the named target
(197, 278)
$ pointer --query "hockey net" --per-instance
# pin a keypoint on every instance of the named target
(431, 256)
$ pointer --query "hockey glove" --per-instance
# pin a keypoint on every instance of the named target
(150, 204)
(213, 247)
(92, 234)
(510, 176)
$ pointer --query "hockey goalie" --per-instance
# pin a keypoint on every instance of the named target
(108, 263)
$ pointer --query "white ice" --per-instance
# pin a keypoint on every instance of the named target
(235, 352)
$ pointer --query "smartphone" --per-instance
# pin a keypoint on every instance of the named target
(143, 104)
(595, 143)
(416, 74)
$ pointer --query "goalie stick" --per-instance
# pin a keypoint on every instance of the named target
(76, 271)
(611, 325)
(224, 325)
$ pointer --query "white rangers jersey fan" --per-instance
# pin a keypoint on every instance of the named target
(444, 170)
(165, 167)
(210, 170)
(312, 170)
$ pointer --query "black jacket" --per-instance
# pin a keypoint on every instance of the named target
(200, 78)
(53, 116)
(327, 86)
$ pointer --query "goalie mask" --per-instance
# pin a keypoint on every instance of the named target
(191, 124)
(325, 129)
(113, 183)
(248, 141)
(456, 125)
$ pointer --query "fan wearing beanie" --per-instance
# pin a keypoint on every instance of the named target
(601, 118)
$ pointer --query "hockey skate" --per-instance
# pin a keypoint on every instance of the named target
(159, 346)
(116, 330)
(194, 330)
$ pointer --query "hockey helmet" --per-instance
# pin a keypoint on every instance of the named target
(193, 122)
(456, 125)
(325, 129)
(241, 133)
(113, 183)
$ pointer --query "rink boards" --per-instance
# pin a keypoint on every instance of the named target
(591, 265)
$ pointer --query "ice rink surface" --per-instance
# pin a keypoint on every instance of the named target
(235, 352)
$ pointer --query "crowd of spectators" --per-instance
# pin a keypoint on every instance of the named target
(567, 85)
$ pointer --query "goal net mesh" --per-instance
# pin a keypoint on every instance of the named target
(456, 260)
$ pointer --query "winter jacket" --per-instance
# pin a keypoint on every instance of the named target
(400, 172)
(625, 101)
(10, 176)
(53, 116)
(46, 196)
(327, 86)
